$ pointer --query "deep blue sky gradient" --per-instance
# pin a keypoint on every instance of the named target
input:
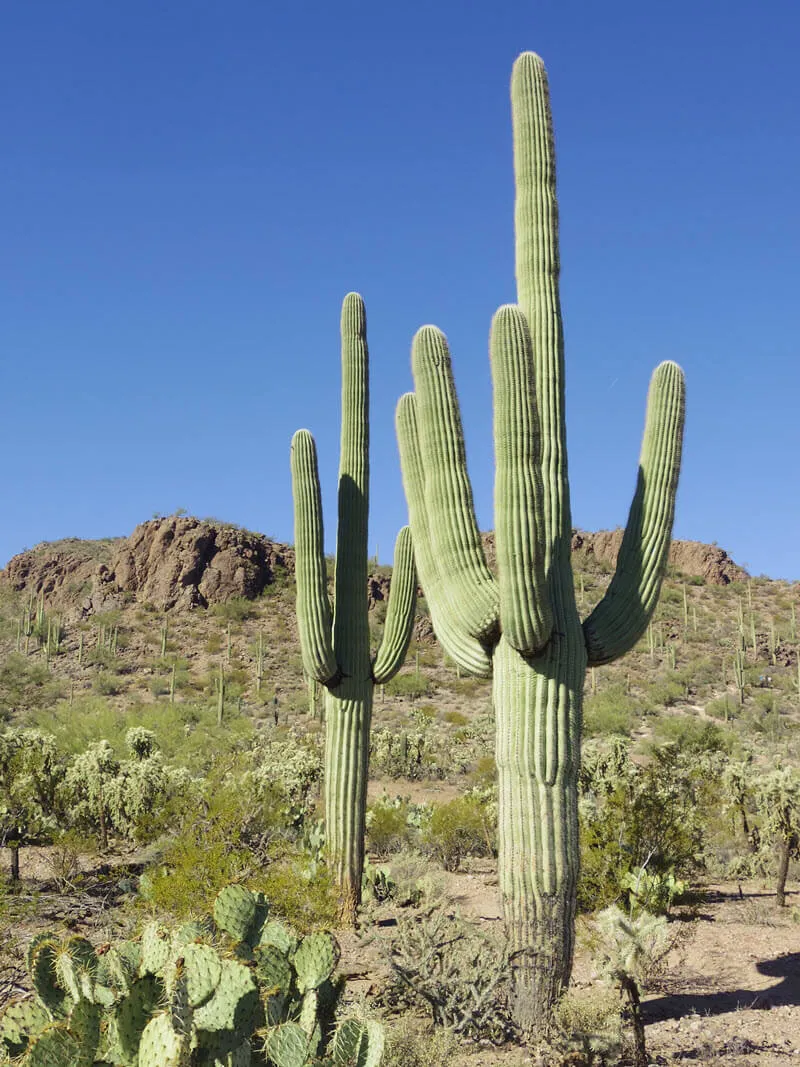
(189, 189)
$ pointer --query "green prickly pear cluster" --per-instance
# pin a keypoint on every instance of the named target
(254, 994)
(336, 649)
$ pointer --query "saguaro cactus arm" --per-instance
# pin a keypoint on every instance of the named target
(400, 610)
(313, 605)
(525, 613)
(467, 651)
(448, 492)
(621, 617)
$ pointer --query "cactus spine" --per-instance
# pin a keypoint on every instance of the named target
(336, 651)
(523, 627)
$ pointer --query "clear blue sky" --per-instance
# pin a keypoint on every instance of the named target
(189, 189)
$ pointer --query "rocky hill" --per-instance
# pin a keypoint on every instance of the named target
(180, 563)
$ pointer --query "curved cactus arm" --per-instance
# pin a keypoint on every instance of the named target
(350, 623)
(313, 605)
(448, 493)
(621, 617)
(525, 614)
(400, 610)
(467, 652)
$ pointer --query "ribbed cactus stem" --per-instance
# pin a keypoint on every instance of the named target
(524, 626)
(336, 651)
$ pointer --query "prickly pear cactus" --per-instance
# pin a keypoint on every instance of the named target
(173, 999)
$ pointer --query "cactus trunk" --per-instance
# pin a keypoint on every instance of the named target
(348, 717)
(538, 702)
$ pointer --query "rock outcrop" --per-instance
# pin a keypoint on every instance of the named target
(692, 558)
(172, 563)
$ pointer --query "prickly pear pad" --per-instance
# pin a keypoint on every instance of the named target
(314, 960)
(161, 1046)
(235, 911)
(20, 1021)
(288, 1045)
(234, 1003)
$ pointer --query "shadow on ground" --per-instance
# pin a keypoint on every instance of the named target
(786, 991)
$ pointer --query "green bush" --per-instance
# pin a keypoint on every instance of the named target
(611, 711)
(107, 684)
(633, 817)
(691, 735)
(411, 686)
(237, 609)
(387, 826)
(459, 828)
(665, 692)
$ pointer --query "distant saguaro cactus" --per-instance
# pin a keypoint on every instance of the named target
(336, 651)
(523, 626)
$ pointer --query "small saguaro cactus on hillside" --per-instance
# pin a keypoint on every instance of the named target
(523, 625)
(336, 647)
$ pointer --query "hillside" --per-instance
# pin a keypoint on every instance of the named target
(187, 628)
(214, 590)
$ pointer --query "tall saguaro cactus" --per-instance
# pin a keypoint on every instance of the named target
(335, 646)
(523, 626)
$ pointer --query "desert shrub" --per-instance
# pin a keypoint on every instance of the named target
(588, 1022)
(388, 829)
(412, 1043)
(634, 817)
(230, 831)
(107, 684)
(25, 684)
(456, 718)
(611, 711)
(237, 609)
(186, 733)
(725, 707)
(410, 686)
(692, 736)
(664, 692)
(459, 828)
(309, 901)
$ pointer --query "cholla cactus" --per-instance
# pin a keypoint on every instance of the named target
(778, 799)
(628, 950)
(336, 651)
(523, 626)
(111, 796)
(31, 772)
(294, 767)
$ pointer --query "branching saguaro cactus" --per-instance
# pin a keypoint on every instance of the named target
(336, 647)
(523, 626)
